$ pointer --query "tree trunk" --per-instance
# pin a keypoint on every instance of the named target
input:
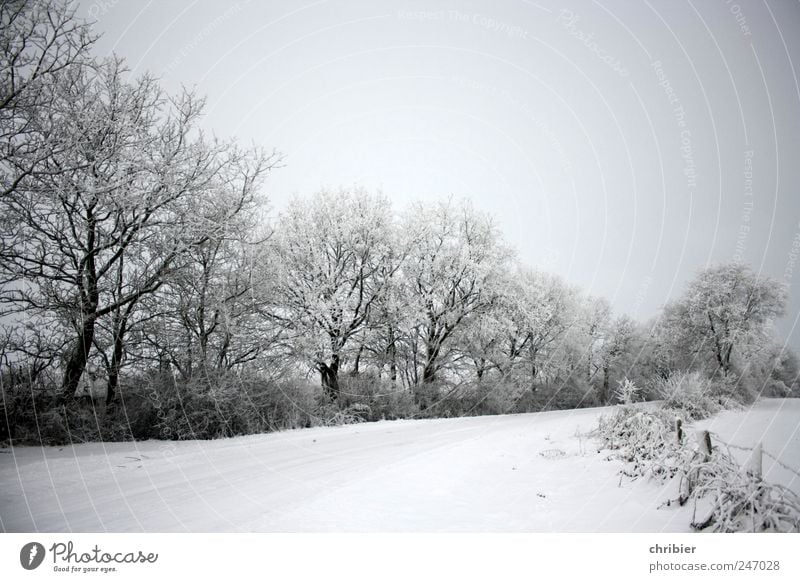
(329, 374)
(77, 360)
(604, 390)
(727, 360)
(89, 300)
(431, 363)
(357, 363)
(429, 372)
(392, 349)
(116, 360)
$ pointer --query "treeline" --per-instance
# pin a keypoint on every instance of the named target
(146, 293)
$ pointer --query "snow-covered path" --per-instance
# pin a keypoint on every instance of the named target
(531, 472)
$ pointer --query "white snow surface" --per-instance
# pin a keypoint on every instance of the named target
(514, 473)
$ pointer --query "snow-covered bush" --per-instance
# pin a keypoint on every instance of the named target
(776, 389)
(645, 438)
(496, 397)
(689, 392)
(21, 402)
(372, 398)
(331, 415)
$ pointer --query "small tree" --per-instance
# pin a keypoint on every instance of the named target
(626, 391)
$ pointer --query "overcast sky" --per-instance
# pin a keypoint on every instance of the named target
(624, 145)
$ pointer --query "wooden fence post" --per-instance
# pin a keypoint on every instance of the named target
(754, 464)
(705, 444)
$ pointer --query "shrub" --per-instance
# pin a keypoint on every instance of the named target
(500, 396)
(569, 393)
(645, 438)
(776, 389)
(689, 392)
(369, 398)
(25, 397)
(230, 405)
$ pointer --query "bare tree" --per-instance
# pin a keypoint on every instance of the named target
(210, 315)
(41, 43)
(104, 221)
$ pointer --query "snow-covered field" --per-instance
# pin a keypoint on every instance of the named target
(529, 472)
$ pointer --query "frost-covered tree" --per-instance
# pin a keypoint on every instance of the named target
(480, 341)
(723, 309)
(455, 258)
(626, 391)
(549, 312)
(384, 343)
(616, 348)
(209, 315)
(334, 256)
(111, 209)
(522, 331)
(595, 316)
(784, 372)
(42, 45)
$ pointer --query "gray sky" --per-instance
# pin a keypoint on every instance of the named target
(624, 145)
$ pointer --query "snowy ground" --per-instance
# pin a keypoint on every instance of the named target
(531, 472)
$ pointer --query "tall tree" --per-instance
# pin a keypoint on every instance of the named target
(113, 206)
(522, 330)
(616, 346)
(723, 308)
(210, 314)
(455, 257)
(335, 254)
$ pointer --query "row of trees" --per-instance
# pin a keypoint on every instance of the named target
(109, 192)
(133, 244)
